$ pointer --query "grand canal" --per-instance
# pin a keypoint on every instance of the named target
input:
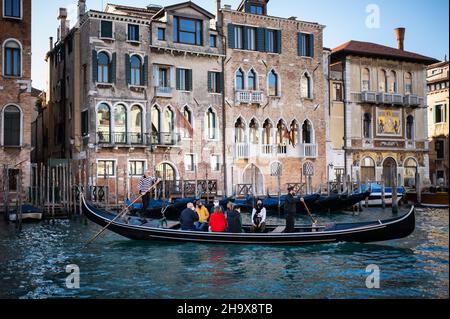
(33, 264)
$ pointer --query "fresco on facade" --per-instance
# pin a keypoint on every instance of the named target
(389, 123)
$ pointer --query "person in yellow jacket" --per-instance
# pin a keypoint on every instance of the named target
(203, 217)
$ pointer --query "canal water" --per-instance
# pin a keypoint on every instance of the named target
(33, 264)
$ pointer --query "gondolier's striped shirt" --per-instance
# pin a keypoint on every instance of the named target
(145, 183)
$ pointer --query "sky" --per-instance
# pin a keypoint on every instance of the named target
(426, 22)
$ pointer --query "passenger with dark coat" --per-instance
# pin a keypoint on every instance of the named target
(290, 209)
(234, 219)
(188, 218)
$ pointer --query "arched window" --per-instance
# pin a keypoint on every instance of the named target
(254, 132)
(306, 86)
(12, 59)
(168, 121)
(240, 80)
(367, 125)
(155, 115)
(120, 124)
(239, 128)
(410, 127)
(367, 169)
(307, 133)
(136, 125)
(410, 172)
(392, 82)
(188, 116)
(211, 124)
(408, 83)
(104, 123)
(104, 65)
(294, 133)
(136, 70)
(382, 81)
(267, 133)
(12, 126)
(273, 84)
(365, 82)
(282, 133)
(252, 80)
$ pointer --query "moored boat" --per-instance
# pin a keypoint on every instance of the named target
(375, 198)
(28, 213)
(363, 232)
(438, 199)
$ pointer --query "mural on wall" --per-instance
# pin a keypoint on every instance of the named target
(389, 122)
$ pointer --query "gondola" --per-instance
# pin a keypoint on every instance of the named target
(364, 232)
(338, 203)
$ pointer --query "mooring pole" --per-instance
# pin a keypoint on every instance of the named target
(394, 196)
(418, 188)
(383, 193)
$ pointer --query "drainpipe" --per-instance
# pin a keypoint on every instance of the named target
(344, 72)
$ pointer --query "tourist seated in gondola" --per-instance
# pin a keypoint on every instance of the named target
(188, 218)
(216, 203)
(259, 218)
(217, 222)
(203, 216)
(234, 219)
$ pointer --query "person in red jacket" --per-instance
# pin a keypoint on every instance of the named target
(217, 222)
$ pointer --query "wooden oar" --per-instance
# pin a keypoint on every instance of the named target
(314, 221)
(121, 213)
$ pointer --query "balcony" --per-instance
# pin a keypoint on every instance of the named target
(163, 91)
(412, 100)
(249, 97)
(369, 97)
(120, 139)
(163, 139)
(308, 150)
(241, 151)
(391, 98)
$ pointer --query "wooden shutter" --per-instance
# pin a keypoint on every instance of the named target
(210, 74)
(127, 68)
(178, 79)
(231, 36)
(261, 39)
(12, 129)
(113, 68)
(155, 76)
(300, 43)
(189, 80)
(245, 39)
(106, 29)
(248, 7)
(145, 71)
(278, 40)
(94, 66)
(311, 45)
(221, 82)
(267, 40)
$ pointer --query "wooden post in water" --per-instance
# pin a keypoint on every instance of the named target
(19, 200)
(366, 183)
(6, 189)
(383, 197)
(394, 196)
(418, 188)
(358, 180)
(116, 188)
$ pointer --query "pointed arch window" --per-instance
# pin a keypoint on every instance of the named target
(273, 84)
(12, 128)
(240, 80)
(104, 123)
(307, 133)
(410, 127)
(251, 81)
(239, 127)
(211, 124)
(188, 116)
(367, 125)
(306, 86)
(294, 133)
(12, 59)
(267, 133)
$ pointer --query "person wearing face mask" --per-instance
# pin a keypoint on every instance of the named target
(203, 216)
(259, 218)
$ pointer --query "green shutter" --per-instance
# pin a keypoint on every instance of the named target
(260, 39)
(245, 38)
(113, 68)
(311, 45)
(127, 68)
(189, 84)
(106, 29)
(145, 71)
(300, 43)
(266, 36)
(444, 115)
(278, 40)
(435, 113)
(138, 38)
(94, 66)
(248, 7)
(210, 81)
(221, 82)
(178, 79)
(230, 35)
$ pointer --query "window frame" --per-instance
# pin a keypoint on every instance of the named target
(2, 133)
(442, 149)
(197, 33)
(218, 163)
(213, 44)
(101, 30)
(193, 163)
(113, 161)
(4, 62)
(164, 33)
(133, 71)
(129, 26)
(130, 170)
(109, 66)
(20, 17)
(277, 84)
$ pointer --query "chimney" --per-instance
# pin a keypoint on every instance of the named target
(81, 8)
(51, 43)
(62, 23)
(218, 15)
(400, 35)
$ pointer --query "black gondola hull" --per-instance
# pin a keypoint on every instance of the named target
(358, 232)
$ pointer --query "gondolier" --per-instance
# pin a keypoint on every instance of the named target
(290, 208)
(143, 188)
